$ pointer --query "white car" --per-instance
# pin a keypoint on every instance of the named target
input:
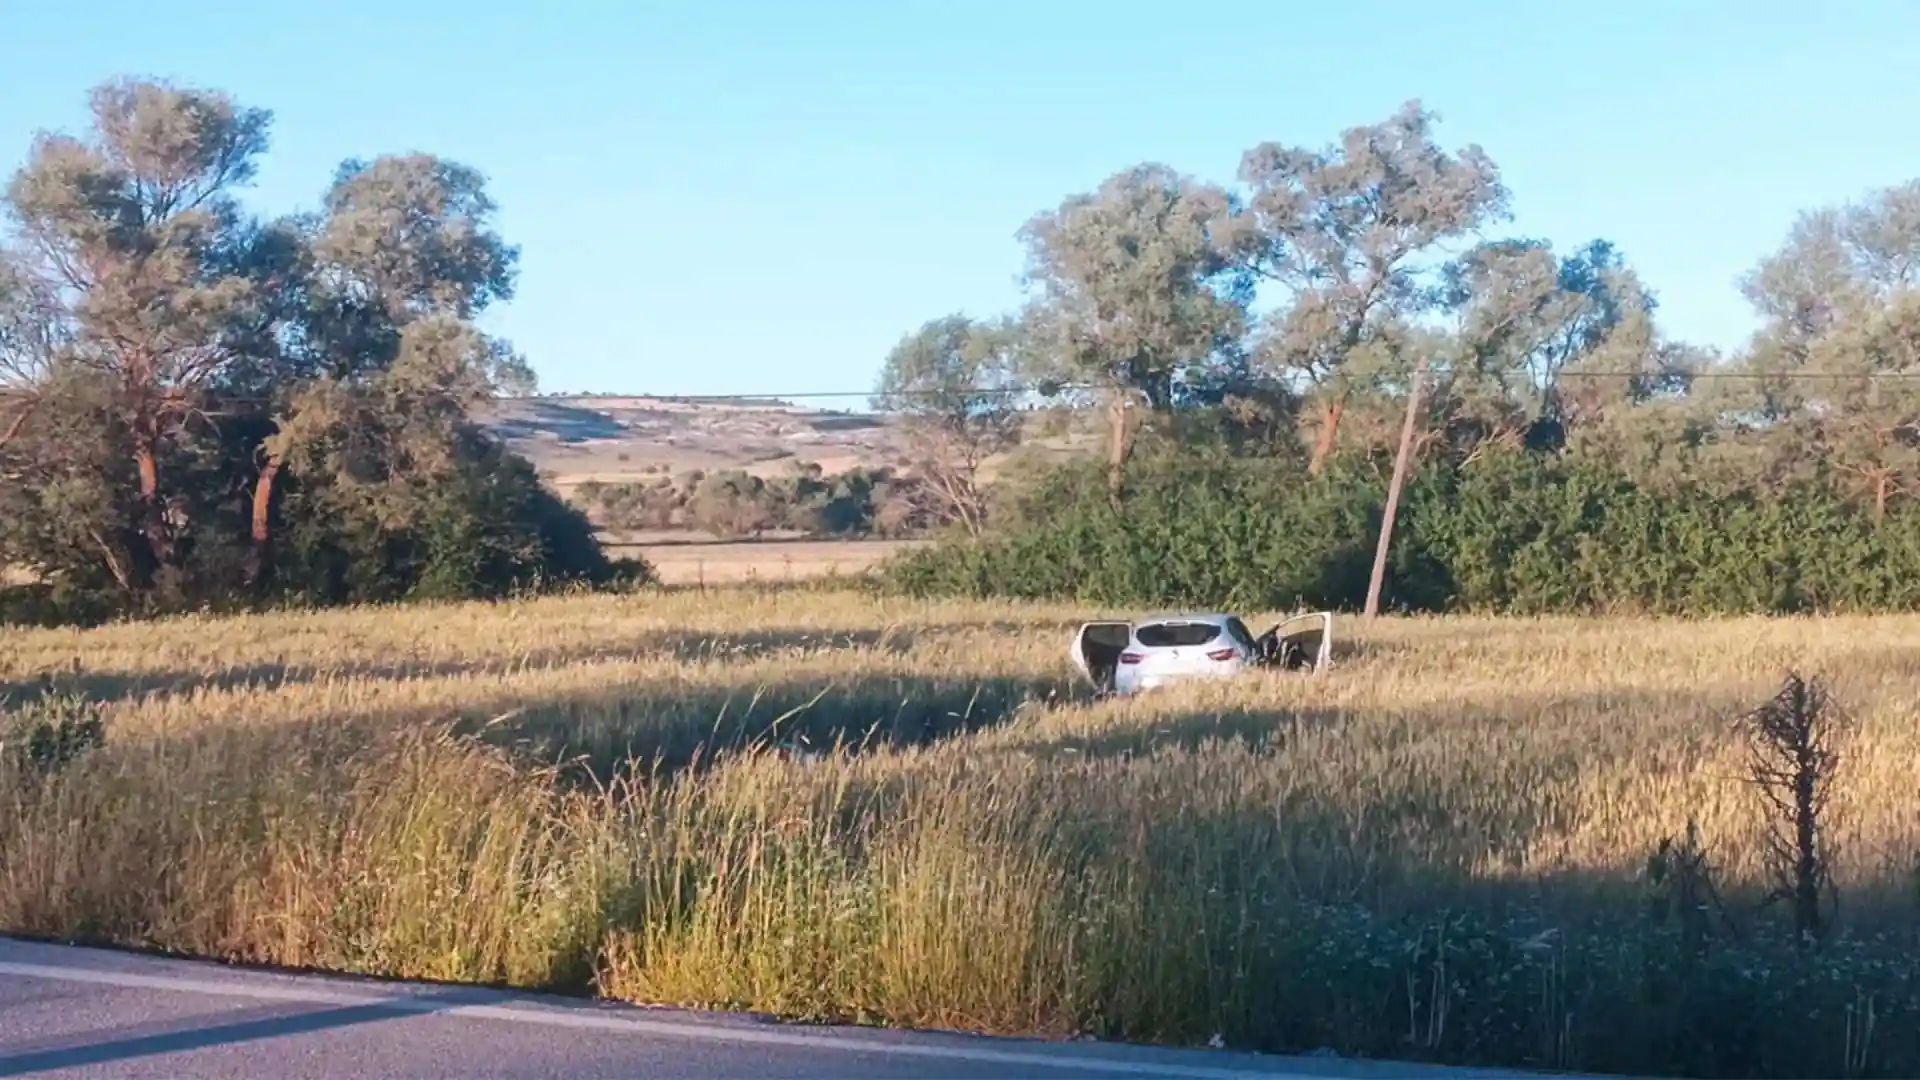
(1127, 657)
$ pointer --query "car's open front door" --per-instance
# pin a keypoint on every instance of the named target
(1096, 651)
(1303, 641)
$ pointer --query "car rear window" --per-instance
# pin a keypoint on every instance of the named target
(1176, 635)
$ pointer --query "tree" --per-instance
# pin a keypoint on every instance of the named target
(134, 238)
(1833, 363)
(66, 486)
(1136, 293)
(952, 381)
(731, 503)
(401, 262)
(28, 343)
(181, 385)
(1342, 231)
(1524, 318)
(1803, 289)
(1869, 423)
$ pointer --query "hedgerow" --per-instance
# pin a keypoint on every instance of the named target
(1518, 532)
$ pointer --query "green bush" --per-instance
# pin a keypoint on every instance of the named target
(485, 527)
(1538, 533)
(1515, 532)
(50, 731)
(1206, 529)
(733, 503)
(488, 530)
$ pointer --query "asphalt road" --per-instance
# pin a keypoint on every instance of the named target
(69, 1012)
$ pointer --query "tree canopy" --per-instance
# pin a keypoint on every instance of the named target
(201, 405)
(1299, 301)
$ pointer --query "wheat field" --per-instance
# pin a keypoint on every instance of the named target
(762, 562)
(833, 805)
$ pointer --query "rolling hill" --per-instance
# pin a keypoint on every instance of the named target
(574, 439)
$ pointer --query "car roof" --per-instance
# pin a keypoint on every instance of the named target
(1218, 618)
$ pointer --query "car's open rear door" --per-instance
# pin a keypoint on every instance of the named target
(1303, 641)
(1096, 651)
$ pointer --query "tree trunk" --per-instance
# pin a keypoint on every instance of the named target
(1880, 497)
(955, 496)
(149, 466)
(949, 464)
(1329, 431)
(118, 571)
(153, 521)
(1117, 448)
(258, 557)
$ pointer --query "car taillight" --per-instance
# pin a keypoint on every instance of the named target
(1220, 654)
(1129, 657)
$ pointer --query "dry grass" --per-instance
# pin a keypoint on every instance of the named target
(689, 561)
(1438, 849)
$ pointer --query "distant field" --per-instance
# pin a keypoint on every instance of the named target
(688, 562)
(624, 439)
(695, 558)
(1447, 847)
(615, 439)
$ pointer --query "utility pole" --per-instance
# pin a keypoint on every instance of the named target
(1393, 488)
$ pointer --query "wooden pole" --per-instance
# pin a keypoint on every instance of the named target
(1393, 488)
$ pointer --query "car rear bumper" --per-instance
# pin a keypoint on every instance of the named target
(1138, 683)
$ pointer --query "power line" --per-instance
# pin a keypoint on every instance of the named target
(700, 399)
(1054, 389)
(814, 395)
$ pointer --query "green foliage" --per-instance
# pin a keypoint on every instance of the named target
(733, 503)
(1512, 531)
(487, 529)
(1196, 529)
(50, 731)
(223, 412)
(1134, 287)
(1532, 533)
(49, 604)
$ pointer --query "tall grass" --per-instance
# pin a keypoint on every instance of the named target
(1438, 850)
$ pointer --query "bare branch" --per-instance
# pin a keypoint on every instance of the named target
(19, 421)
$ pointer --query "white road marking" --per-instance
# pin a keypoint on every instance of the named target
(630, 1025)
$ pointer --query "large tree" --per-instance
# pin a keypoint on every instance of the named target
(952, 381)
(1136, 294)
(1348, 233)
(1869, 423)
(29, 339)
(1524, 318)
(134, 237)
(388, 360)
(182, 385)
(1830, 375)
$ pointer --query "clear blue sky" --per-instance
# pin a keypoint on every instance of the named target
(729, 197)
